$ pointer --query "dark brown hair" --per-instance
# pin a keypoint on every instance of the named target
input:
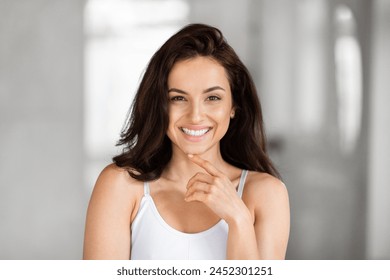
(147, 149)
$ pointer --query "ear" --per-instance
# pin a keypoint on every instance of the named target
(232, 113)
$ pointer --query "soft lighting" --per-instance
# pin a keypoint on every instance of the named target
(348, 79)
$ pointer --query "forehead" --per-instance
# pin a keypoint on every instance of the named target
(198, 71)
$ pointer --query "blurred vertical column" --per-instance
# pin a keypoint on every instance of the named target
(378, 227)
(41, 157)
(272, 53)
(324, 170)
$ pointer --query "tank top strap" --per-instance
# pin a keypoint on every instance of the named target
(242, 182)
(146, 189)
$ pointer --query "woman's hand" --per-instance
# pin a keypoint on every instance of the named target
(259, 233)
(215, 189)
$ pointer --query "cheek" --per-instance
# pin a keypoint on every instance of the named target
(173, 116)
(222, 115)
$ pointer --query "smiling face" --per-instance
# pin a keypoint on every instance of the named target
(200, 105)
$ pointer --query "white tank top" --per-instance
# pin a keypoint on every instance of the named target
(153, 239)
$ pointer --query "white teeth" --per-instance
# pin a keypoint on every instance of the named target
(195, 132)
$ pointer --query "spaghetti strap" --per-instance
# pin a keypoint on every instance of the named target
(146, 188)
(242, 182)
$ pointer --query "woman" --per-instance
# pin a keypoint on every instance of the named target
(181, 188)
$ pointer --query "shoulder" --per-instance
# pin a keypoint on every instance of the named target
(267, 199)
(116, 188)
(116, 175)
(264, 183)
(112, 207)
(114, 178)
(263, 191)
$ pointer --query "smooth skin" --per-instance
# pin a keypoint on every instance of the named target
(197, 187)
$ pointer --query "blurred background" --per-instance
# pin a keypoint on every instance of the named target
(69, 70)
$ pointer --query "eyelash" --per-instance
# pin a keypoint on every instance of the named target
(181, 98)
(214, 98)
(177, 98)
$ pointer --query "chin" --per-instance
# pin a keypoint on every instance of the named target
(196, 150)
(193, 152)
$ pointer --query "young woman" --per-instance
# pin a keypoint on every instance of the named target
(194, 180)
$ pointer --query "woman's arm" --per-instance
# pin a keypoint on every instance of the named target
(242, 244)
(107, 230)
(269, 198)
(262, 234)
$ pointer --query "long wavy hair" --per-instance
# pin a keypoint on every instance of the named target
(146, 147)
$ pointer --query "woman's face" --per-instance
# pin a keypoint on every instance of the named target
(200, 105)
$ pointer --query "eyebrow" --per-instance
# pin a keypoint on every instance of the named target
(205, 91)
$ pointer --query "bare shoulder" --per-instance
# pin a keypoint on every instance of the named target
(262, 190)
(267, 199)
(263, 183)
(114, 178)
(113, 204)
(115, 187)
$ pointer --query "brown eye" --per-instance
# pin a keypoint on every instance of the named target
(177, 98)
(213, 98)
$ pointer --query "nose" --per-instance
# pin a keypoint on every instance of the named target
(196, 112)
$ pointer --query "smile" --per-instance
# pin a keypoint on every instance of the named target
(196, 133)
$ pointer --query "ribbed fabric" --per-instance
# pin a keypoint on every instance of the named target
(153, 239)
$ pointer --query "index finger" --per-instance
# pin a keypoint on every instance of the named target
(206, 165)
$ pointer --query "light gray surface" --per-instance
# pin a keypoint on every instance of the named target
(42, 204)
(378, 227)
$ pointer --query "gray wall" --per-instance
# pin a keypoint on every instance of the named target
(378, 227)
(41, 126)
